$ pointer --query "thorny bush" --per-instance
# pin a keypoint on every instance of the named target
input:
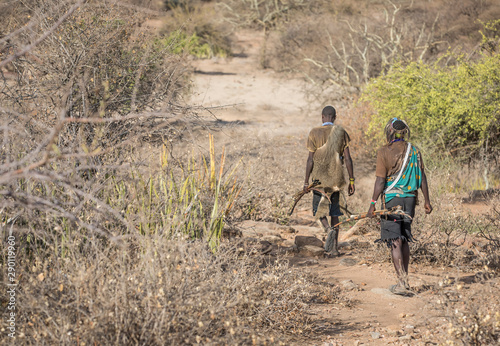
(79, 103)
(99, 62)
(345, 43)
(464, 241)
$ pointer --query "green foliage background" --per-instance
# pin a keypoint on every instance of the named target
(455, 107)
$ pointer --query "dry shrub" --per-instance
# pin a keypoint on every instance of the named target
(472, 315)
(265, 14)
(77, 113)
(98, 62)
(339, 46)
(183, 4)
(151, 7)
(488, 230)
(454, 240)
(156, 290)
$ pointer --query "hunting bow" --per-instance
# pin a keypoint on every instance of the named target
(301, 193)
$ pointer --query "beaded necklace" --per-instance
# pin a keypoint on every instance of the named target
(397, 140)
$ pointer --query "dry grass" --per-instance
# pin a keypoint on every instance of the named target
(468, 311)
(347, 44)
(155, 290)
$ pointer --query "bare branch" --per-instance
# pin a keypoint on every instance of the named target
(46, 34)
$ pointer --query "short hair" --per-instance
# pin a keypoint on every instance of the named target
(329, 111)
(396, 128)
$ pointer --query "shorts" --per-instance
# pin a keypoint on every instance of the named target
(334, 205)
(394, 227)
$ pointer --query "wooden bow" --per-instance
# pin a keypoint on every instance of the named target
(301, 193)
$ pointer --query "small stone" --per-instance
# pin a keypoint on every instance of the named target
(392, 332)
(405, 337)
(345, 246)
(348, 262)
(375, 335)
(273, 239)
(311, 251)
(302, 241)
(349, 285)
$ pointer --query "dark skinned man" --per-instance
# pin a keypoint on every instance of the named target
(399, 174)
(328, 147)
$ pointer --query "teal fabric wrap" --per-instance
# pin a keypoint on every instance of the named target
(410, 181)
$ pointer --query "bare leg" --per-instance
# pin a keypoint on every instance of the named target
(334, 220)
(397, 256)
(324, 222)
(401, 259)
(406, 255)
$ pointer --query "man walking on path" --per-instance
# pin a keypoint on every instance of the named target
(400, 173)
(328, 147)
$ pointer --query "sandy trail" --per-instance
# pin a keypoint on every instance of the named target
(251, 94)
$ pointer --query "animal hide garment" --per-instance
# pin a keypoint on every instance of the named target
(328, 167)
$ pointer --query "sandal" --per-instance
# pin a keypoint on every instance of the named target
(332, 254)
(400, 291)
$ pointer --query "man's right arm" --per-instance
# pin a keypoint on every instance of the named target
(378, 188)
(309, 168)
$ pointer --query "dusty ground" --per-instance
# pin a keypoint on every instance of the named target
(264, 120)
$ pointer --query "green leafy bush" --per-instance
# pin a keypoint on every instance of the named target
(455, 107)
(191, 44)
(197, 30)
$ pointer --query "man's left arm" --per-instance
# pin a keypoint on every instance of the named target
(350, 171)
(424, 186)
(425, 192)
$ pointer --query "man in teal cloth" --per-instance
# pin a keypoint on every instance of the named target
(399, 174)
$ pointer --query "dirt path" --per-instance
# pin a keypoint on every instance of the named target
(262, 110)
(376, 317)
